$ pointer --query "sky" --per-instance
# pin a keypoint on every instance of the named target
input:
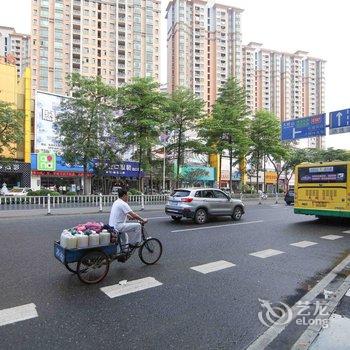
(319, 27)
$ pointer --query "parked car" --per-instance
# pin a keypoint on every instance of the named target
(18, 192)
(289, 197)
(201, 203)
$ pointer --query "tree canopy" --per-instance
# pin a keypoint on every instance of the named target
(11, 127)
(143, 115)
(184, 113)
(227, 128)
(87, 122)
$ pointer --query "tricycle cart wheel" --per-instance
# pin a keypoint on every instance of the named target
(71, 267)
(150, 251)
(93, 267)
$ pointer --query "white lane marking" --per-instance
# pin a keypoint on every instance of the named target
(217, 226)
(117, 290)
(332, 237)
(303, 244)
(348, 231)
(267, 253)
(18, 313)
(348, 293)
(213, 266)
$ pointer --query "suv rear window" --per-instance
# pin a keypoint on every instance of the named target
(180, 193)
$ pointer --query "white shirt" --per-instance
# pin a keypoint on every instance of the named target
(119, 212)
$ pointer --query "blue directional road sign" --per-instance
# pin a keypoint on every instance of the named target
(339, 121)
(302, 128)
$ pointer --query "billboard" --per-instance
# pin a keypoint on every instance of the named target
(47, 106)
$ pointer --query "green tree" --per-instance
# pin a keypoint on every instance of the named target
(11, 127)
(227, 128)
(265, 133)
(185, 111)
(143, 116)
(331, 154)
(87, 121)
(312, 155)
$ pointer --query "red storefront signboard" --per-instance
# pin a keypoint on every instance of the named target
(60, 173)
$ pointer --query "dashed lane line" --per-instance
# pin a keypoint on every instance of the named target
(17, 314)
(332, 237)
(128, 287)
(263, 254)
(213, 266)
(218, 226)
(348, 231)
(303, 244)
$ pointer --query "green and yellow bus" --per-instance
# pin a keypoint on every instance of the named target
(322, 189)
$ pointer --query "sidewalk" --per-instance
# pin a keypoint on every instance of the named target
(21, 213)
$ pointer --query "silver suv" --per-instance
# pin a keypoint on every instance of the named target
(201, 203)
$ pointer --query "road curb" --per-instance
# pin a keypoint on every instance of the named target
(313, 331)
(265, 339)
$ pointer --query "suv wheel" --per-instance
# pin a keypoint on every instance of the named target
(201, 216)
(176, 218)
(237, 214)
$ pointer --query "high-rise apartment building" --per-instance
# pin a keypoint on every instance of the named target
(16, 45)
(204, 46)
(290, 85)
(115, 39)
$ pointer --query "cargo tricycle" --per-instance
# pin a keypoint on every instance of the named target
(91, 264)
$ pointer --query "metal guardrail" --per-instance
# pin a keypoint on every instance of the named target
(99, 201)
(50, 202)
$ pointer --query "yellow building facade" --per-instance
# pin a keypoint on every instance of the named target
(17, 91)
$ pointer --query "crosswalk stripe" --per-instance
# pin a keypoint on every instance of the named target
(128, 287)
(331, 237)
(17, 314)
(348, 231)
(267, 253)
(213, 266)
(303, 244)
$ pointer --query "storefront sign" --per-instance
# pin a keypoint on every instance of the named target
(46, 161)
(270, 177)
(17, 168)
(200, 173)
(225, 175)
(59, 173)
(125, 169)
(60, 164)
(47, 106)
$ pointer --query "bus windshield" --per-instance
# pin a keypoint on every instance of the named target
(322, 174)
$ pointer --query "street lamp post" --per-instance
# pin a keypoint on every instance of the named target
(164, 157)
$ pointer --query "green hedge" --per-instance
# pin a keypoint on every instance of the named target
(43, 192)
(134, 191)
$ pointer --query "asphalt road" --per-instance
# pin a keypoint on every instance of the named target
(189, 310)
